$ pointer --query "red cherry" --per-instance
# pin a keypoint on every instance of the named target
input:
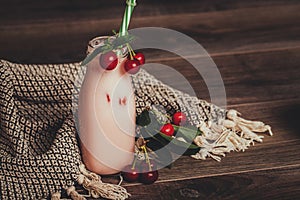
(129, 174)
(167, 129)
(179, 118)
(145, 167)
(149, 177)
(109, 60)
(140, 57)
(132, 66)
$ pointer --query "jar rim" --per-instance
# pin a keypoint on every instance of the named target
(98, 41)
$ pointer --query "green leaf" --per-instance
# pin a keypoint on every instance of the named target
(119, 42)
(178, 143)
(147, 134)
(157, 140)
(149, 124)
(155, 144)
(143, 119)
(155, 124)
(122, 40)
(164, 156)
(92, 55)
(187, 132)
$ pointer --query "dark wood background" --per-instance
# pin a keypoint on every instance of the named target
(256, 46)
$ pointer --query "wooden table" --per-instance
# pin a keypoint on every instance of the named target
(256, 46)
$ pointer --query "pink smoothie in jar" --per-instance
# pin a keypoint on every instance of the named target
(106, 115)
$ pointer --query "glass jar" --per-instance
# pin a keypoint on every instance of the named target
(106, 114)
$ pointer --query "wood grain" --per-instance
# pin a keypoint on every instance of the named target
(20, 11)
(251, 77)
(217, 31)
(277, 183)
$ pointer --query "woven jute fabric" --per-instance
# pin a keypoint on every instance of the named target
(39, 148)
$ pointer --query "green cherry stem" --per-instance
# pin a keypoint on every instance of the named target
(131, 52)
(147, 157)
(146, 153)
(134, 161)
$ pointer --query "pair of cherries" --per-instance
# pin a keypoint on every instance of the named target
(178, 119)
(146, 173)
(109, 61)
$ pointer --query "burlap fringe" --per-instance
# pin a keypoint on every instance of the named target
(71, 191)
(231, 134)
(96, 188)
(56, 196)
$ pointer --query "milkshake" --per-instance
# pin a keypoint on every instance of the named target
(106, 113)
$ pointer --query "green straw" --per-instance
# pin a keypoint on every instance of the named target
(127, 16)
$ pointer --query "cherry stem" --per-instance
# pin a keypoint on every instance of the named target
(131, 52)
(147, 156)
(134, 161)
(144, 149)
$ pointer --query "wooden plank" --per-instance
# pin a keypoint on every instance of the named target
(253, 77)
(281, 115)
(16, 11)
(223, 31)
(255, 158)
(278, 183)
